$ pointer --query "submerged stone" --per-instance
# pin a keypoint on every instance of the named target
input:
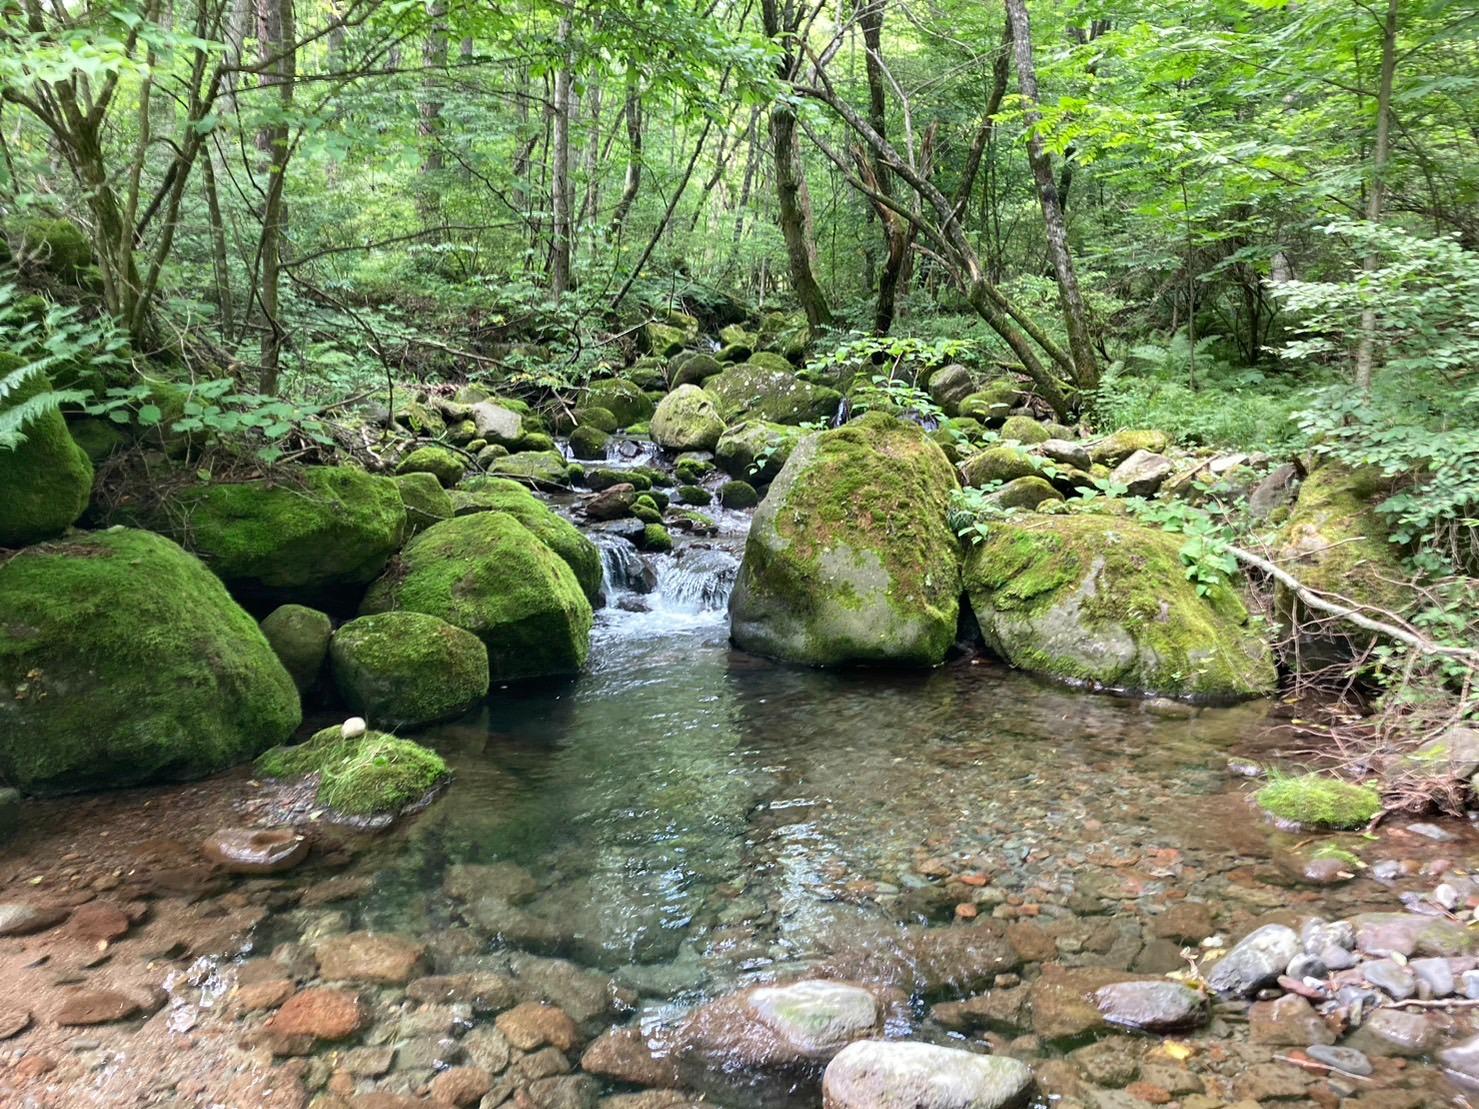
(255, 850)
(1255, 961)
(877, 1074)
(1164, 1006)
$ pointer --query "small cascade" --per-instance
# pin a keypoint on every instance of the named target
(699, 579)
(623, 569)
(843, 413)
(621, 451)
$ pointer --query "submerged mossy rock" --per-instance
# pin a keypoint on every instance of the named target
(408, 668)
(493, 494)
(426, 501)
(124, 660)
(1317, 802)
(299, 636)
(489, 574)
(687, 420)
(623, 399)
(45, 482)
(753, 391)
(589, 443)
(849, 559)
(443, 463)
(1334, 542)
(755, 450)
(315, 528)
(372, 775)
(1105, 601)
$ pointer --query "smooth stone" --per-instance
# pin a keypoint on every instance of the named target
(1461, 1061)
(1410, 934)
(1399, 982)
(1470, 988)
(1395, 1032)
(1151, 1006)
(876, 1074)
(255, 850)
(384, 958)
(17, 918)
(1288, 1021)
(1436, 974)
(1256, 961)
(1307, 966)
(1432, 832)
(96, 1007)
(1347, 1059)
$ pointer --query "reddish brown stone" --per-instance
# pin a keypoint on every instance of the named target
(33, 1066)
(99, 921)
(532, 1024)
(13, 1021)
(264, 995)
(369, 957)
(96, 1007)
(461, 1085)
(319, 1013)
(255, 850)
(623, 1055)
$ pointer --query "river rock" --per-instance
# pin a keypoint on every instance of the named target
(86, 1007)
(753, 391)
(408, 668)
(531, 1025)
(612, 503)
(623, 399)
(849, 558)
(877, 1074)
(369, 957)
(124, 660)
(1397, 982)
(949, 385)
(1106, 601)
(623, 1055)
(496, 494)
(1395, 1032)
(14, 1019)
(1114, 449)
(20, 918)
(497, 424)
(770, 1027)
(1410, 934)
(1164, 1006)
(1347, 1059)
(755, 450)
(255, 850)
(1142, 473)
(1288, 1021)
(1066, 451)
(1461, 1061)
(319, 1013)
(687, 419)
(1256, 961)
(299, 636)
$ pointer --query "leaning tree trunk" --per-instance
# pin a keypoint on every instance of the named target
(1075, 315)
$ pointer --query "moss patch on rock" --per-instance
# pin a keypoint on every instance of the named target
(123, 660)
(489, 574)
(425, 500)
(687, 420)
(446, 465)
(374, 775)
(849, 559)
(1105, 601)
(588, 442)
(541, 469)
(408, 668)
(1001, 464)
(300, 638)
(770, 392)
(1315, 801)
(45, 482)
(553, 530)
(623, 399)
(754, 450)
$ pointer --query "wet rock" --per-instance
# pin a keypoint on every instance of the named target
(98, 922)
(1063, 1005)
(1397, 981)
(1288, 1021)
(1112, 1062)
(461, 1085)
(1272, 1082)
(369, 1062)
(1003, 1010)
(483, 992)
(1410, 934)
(612, 503)
(532, 1025)
(255, 850)
(875, 1074)
(1461, 1062)
(369, 957)
(1163, 1006)
(623, 1055)
(1395, 1032)
(18, 918)
(486, 1047)
(13, 1020)
(1346, 1059)
(264, 995)
(1185, 922)
(566, 1091)
(96, 1007)
(587, 996)
(651, 1099)
(319, 1013)
(1256, 961)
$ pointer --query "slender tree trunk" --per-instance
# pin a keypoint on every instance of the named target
(1377, 191)
(1075, 316)
(633, 180)
(225, 308)
(560, 168)
(898, 233)
(276, 34)
(590, 206)
(429, 125)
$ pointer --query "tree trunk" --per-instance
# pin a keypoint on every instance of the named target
(276, 34)
(633, 180)
(560, 168)
(1376, 194)
(1075, 316)
(429, 125)
(898, 233)
(225, 309)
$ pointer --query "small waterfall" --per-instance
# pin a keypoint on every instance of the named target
(700, 579)
(623, 569)
(843, 413)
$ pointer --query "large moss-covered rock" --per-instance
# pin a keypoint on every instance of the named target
(123, 660)
(443, 463)
(687, 420)
(755, 391)
(489, 574)
(408, 668)
(484, 494)
(755, 450)
(998, 464)
(426, 501)
(299, 636)
(311, 529)
(541, 469)
(1105, 601)
(849, 559)
(372, 775)
(44, 482)
(623, 399)
(1334, 542)
(56, 246)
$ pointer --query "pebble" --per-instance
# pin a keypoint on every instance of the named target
(1399, 982)
(1346, 1059)
(1434, 974)
(1432, 832)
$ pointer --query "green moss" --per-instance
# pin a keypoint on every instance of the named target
(99, 439)
(1024, 429)
(420, 418)
(300, 638)
(647, 513)
(1025, 492)
(605, 478)
(623, 399)
(738, 494)
(553, 530)
(425, 500)
(694, 369)
(535, 441)
(662, 339)
(655, 537)
(375, 775)
(990, 404)
(541, 469)
(1114, 449)
(1316, 801)
(123, 660)
(407, 668)
(57, 246)
(442, 463)
(756, 450)
(602, 419)
(1001, 464)
(694, 495)
(489, 574)
(1106, 601)
(687, 420)
(588, 442)
(693, 470)
(770, 392)
(47, 480)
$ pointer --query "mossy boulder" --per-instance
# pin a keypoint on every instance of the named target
(45, 481)
(687, 420)
(695, 495)
(492, 494)
(123, 660)
(623, 399)
(299, 636)
(605, 477)
(695, 369)
(492, 576)
(949, 385)
(408, 668)
(1114, 449)
(991, 404)
(1024, 429)
(541, 469)
(1106, 602)
(425, 500)
(655, 537)
(1317, 802)
(738, 494)
(663, 339)
(1024, 492)
(373, 775)
(767, 392)
(602, 419)
(444, 464)
(56, 246)
(1334, 542)
(692, 468)
(308, 530)
(755, 450)
(419, 417)
(849, 559)
(1003, 464)
(589, 443)
(98, 438)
